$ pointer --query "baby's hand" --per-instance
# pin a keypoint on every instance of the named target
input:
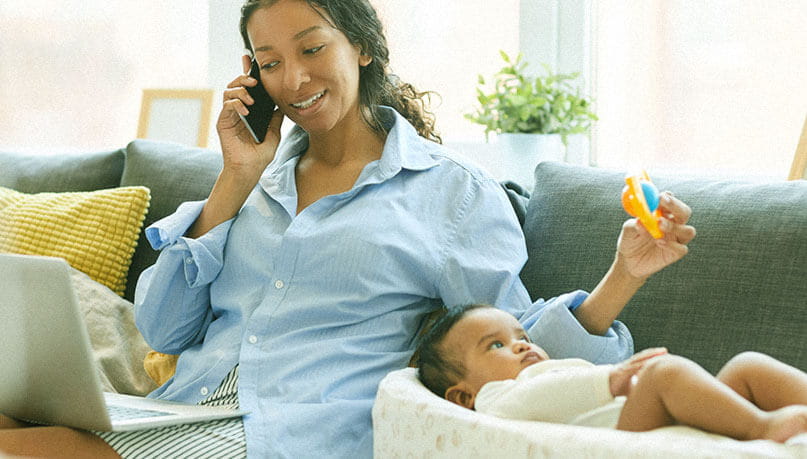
(622, 376)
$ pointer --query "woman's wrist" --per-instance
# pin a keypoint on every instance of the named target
(609, 297)
(619, 268)
(226, 198)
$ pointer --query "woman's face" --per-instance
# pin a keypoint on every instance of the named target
(309, 68)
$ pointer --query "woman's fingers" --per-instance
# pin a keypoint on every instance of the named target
(243, 81)
(237, 89)
(239, 93)
(677, 232)
(674, 209)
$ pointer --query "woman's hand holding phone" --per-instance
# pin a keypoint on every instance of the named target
(244, 159)
(242, 155)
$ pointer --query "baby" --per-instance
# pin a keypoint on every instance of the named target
(481, 358)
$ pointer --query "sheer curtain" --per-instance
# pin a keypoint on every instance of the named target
(712, 87)
(443, 45)
(707, 87)
(72, 71)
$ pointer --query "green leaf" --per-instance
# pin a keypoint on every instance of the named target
(519, 102)
(504, 56)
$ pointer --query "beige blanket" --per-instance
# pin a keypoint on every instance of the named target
(118, 347)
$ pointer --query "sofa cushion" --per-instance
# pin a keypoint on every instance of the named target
(175, 173)
(95, 231)
(741, 287)
(57, 173)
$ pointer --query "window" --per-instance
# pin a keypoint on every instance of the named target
(712, 87)
(707, 87)
(443, 45)
(73, 71)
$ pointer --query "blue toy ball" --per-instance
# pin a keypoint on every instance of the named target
(651, 195)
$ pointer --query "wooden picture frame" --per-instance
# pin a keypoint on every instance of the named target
(798, 170)
(176, 115)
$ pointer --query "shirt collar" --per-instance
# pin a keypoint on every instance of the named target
(403, 149)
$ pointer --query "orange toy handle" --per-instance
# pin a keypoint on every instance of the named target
(640, 199)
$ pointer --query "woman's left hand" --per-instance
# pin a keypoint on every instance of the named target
(641, 254)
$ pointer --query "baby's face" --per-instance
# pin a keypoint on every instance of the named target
(492, 346)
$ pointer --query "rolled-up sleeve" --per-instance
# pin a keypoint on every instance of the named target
(175, 312)
(553, 326)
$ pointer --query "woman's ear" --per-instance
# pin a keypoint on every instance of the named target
(461, 394)
(365, 60)
(246, 62)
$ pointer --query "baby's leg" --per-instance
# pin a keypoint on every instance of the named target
(765, 381)
(673, 390)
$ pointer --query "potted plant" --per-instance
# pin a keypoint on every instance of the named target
(533, 116)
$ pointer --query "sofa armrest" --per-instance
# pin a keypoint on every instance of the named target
(741, 287)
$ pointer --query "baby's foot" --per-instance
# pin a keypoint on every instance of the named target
(785, 423)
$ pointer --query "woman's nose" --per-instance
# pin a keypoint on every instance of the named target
(295, 76)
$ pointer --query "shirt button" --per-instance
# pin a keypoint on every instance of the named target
(189, 260)
(279, 284)
(253, 339)
(203, 391)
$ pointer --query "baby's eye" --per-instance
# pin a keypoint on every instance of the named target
(313, 50)
(525, 338)
(496, 345)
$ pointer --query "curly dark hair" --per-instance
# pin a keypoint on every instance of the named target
(437, 368)
(359, 22)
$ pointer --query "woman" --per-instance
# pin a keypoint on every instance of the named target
(306, 275)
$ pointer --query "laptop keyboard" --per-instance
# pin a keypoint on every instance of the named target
(123, 413)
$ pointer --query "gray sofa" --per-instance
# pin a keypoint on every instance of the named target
(742, 287)
(174, 173)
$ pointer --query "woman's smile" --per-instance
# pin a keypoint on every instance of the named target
(310, 103)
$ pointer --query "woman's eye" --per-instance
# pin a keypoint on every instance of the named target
(496, 345)
(269, 65)
(313, 50)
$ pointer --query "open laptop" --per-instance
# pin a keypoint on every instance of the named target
(47, 371)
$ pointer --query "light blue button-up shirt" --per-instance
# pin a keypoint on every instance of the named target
(317, 307)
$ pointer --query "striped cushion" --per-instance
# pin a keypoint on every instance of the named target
(95, 231)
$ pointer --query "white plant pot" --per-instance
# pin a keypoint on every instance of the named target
(520, 153)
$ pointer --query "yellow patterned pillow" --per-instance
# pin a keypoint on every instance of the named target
(95, 231)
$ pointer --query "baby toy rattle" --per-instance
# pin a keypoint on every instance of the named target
(640, 199)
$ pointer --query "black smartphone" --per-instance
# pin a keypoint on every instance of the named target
(260, 112)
